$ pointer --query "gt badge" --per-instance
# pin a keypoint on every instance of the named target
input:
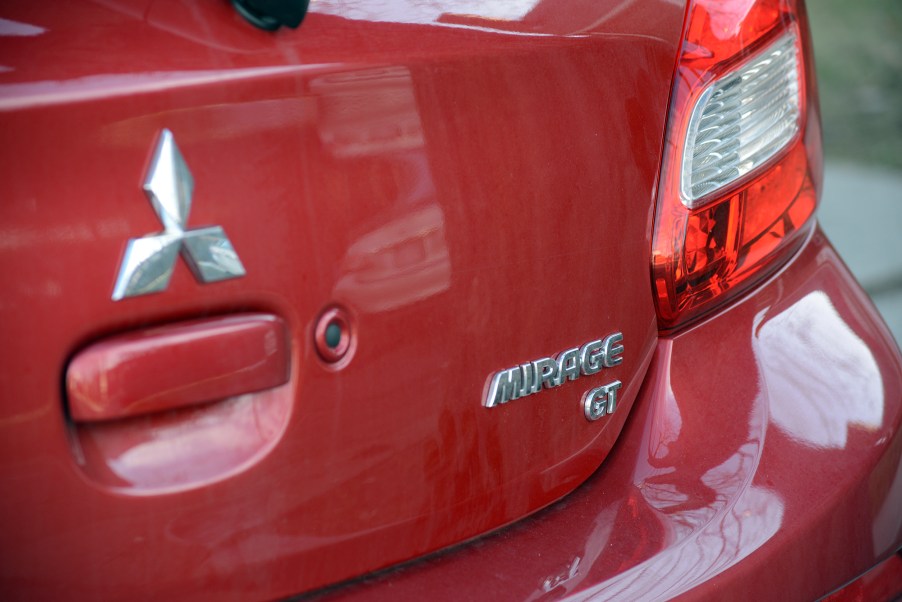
(529, 378)
(150, 260)
(601, 400)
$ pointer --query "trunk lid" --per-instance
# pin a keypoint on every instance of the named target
(473, 188)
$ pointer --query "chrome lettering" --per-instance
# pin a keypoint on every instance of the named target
(505, 386)
(591, 357)
(529, 378)
(612, 349)
(601, 401)
(546, 372)
(568, 365)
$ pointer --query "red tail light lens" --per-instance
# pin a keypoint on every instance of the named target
(742, 156)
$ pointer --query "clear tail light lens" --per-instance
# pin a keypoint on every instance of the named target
(741, 121)
(742, 156)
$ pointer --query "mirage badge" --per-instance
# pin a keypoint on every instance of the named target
(150, 260)
(548, 372)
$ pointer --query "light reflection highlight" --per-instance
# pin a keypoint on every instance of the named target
(403, 255)
(424, 12)
(173, 451)
(808, 353)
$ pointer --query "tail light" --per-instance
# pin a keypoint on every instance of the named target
(742, 156)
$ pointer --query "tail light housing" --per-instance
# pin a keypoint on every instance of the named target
(742, 155)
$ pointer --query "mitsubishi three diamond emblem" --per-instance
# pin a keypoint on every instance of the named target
(150, 260)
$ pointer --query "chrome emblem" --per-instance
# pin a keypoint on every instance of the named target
(531, 377)
(150, 260)
(601, 401)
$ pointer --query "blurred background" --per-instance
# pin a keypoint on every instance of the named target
(858, 52)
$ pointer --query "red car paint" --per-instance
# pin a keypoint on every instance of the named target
(176, 366)
(476, 192)
(880, 583)
(370, 165)
(745, 480)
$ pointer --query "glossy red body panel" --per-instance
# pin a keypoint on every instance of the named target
(474, 185)
(775, 472)
(883, 582)
(177, 365)
(435, 172)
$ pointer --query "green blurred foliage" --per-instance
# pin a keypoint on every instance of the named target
(858, 52)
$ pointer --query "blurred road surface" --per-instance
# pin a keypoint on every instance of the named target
(861, 212)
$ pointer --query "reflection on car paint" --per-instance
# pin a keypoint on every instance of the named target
(412, 11)
(841, 389)
(680, 503)
(147, 454)
(403, 258)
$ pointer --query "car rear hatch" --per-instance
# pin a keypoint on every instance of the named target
(470, 185)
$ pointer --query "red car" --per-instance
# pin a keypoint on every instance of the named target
(521, 299)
